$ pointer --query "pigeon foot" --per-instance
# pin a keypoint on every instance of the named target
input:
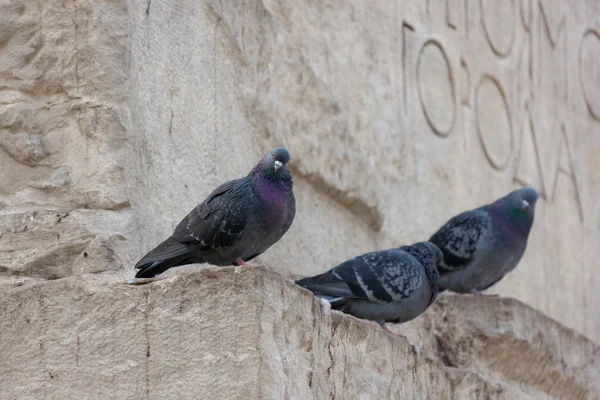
(385, 328)
(241, 263)
(416, 347)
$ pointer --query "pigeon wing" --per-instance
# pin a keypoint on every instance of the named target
(220, 220)
(459, 237)
(380, 277)
(390, 275)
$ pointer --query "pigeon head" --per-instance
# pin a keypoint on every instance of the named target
(520, 204)
(426, 251)
(437, 253)
(274, 164)
(430, 256)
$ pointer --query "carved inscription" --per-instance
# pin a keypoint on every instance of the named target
(589, 71)
(493, 122)
(549, 89)
(436, 88)
(529, 166)
(565, 166)
(516, 95)
(465, 83)
(452, 13)
(551, 61)
(407, 30)
(498, 22)
(525, 7)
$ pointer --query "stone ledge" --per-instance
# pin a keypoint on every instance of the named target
(248, 333)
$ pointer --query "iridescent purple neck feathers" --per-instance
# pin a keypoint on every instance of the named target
(511, 219)
(269, 178)
(272, 188)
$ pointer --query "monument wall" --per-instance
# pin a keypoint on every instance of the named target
(116, 118)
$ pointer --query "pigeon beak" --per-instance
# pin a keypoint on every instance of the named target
(524, 204)
(278, 165)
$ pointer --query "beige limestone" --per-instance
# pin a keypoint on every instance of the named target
(398, 114)
(63, 138)
(246, 333)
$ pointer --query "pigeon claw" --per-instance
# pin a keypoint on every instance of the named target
(385, 328)
(416, 347)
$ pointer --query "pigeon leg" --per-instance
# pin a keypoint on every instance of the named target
(385, 328)
(241, 262)
(381, 322)
(416, 347)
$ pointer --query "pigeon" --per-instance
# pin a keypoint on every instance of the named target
(237, 222)
(482, 245)
(395, 285)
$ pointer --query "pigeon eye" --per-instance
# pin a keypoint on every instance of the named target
(273, 155)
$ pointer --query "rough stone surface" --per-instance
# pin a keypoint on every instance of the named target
(398, 114)
(246, 333)
(64, 123)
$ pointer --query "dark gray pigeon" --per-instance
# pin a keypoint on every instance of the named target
(237, 222)
(482, 245)
(394, 285)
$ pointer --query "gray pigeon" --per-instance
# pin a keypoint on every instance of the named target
(395, 285)
(237, 222)
(482, 245)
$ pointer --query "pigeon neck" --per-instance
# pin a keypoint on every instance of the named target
(273, 190)
(509, 220)
(432, 276)
(263, 177)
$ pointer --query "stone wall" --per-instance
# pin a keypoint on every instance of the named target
(246, 333)
(116, 118)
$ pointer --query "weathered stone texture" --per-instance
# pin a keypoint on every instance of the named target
(63, 129)
(398, 115)
(246, 333)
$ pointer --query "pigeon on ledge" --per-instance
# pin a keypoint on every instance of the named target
(482, 245)
(238, 221)
(395, 285)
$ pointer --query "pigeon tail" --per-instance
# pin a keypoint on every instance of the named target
(152, 269)
(170, 253)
